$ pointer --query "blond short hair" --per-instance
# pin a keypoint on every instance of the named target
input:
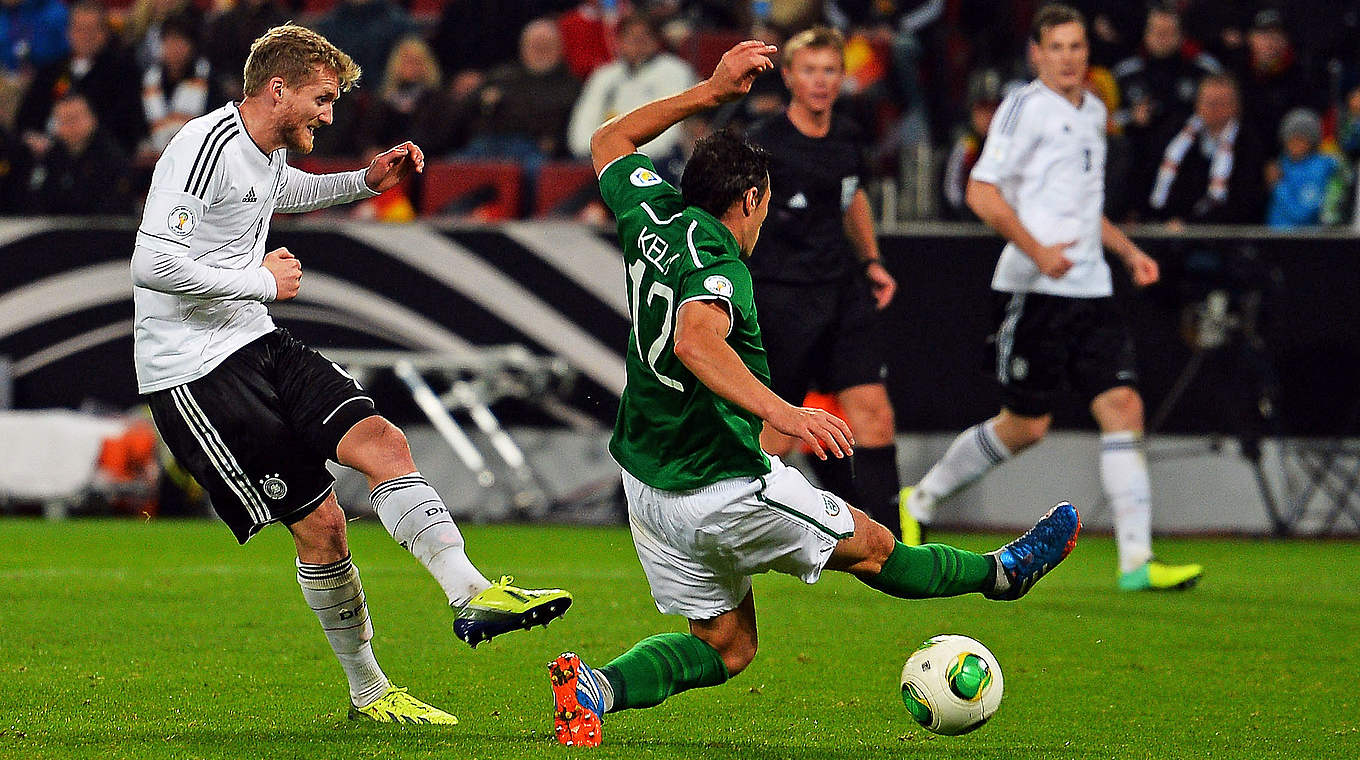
(413, 44)
(295, 53)
(820, 37)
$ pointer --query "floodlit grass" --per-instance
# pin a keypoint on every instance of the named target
(123, 639)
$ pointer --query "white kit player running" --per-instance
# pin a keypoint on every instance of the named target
(1040, 183)
(252, 412)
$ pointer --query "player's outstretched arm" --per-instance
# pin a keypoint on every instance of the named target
(302, 191)
(731, 79)
(986, 200)
(701, 345)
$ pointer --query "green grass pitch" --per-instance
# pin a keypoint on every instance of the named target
(128, 639)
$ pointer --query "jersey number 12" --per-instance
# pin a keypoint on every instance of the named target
(664, 292)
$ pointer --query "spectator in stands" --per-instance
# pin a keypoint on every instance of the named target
(905, 29)
(412, 103)
(1348, 124)
(1272, 80)
(768, 97)
(642, 73)
(1212, 168)
(521, 112)
(143, 30)
(1116, 29)
(1158, 84)
(1348, 139)
(587, 34)
(84, 170)
(367, 30)
(475, 36)
(179, 86)
(228, 38)
(32, 34)
(1307, 186)
(95, 66)
(984, 95)
(702, 14)
(1219, 25)
(15, 160)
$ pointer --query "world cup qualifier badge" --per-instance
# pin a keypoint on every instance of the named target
(181, 221)
(644, 177)
(274, 487)
(718, 285)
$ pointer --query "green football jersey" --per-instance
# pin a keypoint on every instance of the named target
(672, 432)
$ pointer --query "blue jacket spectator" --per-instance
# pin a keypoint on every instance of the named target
(1307, 184)
(32, 33)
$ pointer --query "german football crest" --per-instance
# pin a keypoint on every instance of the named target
(274, 487)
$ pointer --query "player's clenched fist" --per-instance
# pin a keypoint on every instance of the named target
(287, 271)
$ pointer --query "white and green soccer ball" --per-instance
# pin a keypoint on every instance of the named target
(951, 684)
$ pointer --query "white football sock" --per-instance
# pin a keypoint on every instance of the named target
(335, 594)
(606, 689)
(1124, 475)
(974, 452)
(416, 517)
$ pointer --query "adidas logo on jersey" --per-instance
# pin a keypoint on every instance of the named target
(250, 196)
(798, 201)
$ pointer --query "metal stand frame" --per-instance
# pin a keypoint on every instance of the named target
(477, 379)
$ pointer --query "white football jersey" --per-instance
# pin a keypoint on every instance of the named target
(1047, 157)
(198, 284)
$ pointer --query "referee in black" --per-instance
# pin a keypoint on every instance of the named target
(819, 280)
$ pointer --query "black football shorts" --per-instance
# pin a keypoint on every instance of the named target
(1049, 345)
(257, 430)
(824, 336)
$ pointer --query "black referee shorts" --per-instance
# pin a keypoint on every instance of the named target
(256, 431)
(1049, 345)
(826, 336)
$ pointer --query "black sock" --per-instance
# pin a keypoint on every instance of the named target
(877, 485)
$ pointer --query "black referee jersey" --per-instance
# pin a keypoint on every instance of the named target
(813, 180)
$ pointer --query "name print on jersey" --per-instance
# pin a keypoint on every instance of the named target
(654, 249)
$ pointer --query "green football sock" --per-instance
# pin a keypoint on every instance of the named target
(661, 666)
(933, 570)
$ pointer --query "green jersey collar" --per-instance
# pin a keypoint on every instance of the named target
(717, 229)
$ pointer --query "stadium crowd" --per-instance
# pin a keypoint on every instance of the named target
(1221, 111)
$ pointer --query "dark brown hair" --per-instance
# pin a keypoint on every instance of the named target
(1051, 15)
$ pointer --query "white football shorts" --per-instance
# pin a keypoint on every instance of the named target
(700, 548)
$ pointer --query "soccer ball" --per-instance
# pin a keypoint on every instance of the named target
(951, 684)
